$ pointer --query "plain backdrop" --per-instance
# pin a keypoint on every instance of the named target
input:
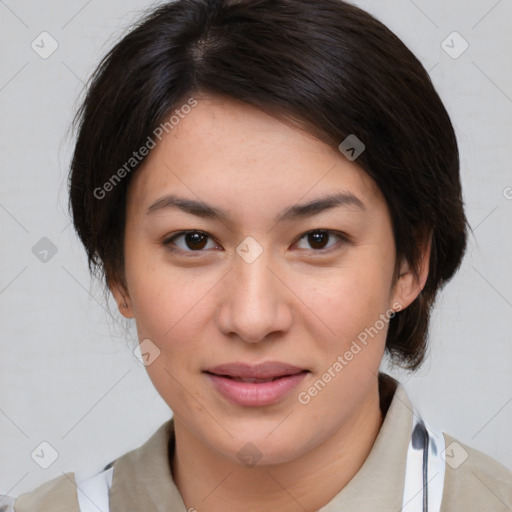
(67, 373)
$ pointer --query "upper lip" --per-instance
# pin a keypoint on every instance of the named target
(267, 370)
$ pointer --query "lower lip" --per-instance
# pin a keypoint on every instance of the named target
(254, 394)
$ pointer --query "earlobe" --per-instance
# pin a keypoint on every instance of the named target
(410, 283)
(122, 299)
(407, 287)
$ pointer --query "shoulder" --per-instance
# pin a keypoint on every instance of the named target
(56, 495)
(473, 480)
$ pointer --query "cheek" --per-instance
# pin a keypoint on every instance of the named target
(171, 305)
(354, 303)
(167, 308)
(349, 298)
(170, 311)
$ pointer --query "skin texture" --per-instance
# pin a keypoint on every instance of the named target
(299, 302)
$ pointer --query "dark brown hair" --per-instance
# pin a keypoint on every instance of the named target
(327, 66)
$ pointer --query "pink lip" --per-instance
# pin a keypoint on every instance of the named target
(255, 394)
(267, 370)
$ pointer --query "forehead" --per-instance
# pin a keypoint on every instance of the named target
(246, 160)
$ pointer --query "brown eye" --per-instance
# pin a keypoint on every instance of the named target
(318, 240)
(192, 241)
(195, 241)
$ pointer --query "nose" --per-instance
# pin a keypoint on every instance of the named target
(254, 301)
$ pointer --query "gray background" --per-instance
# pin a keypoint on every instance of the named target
(67, 374)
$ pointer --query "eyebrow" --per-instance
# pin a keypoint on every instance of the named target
(298, 211)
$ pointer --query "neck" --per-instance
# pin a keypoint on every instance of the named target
(210, 482)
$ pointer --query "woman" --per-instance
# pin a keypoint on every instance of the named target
(271, 190)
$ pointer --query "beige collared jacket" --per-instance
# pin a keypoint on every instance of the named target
(470, 481)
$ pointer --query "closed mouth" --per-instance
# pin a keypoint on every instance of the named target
(253, 380)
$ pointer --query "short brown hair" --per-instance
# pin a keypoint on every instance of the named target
(327, 66)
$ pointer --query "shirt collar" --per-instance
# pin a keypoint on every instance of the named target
(379, 483)
(142, 478)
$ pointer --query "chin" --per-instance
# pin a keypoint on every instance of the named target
(263, 446)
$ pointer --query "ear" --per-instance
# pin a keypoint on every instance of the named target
(121, 296)
(409, 283)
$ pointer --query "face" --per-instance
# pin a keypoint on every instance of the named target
(244, 274)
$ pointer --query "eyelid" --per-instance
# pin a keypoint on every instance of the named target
(167, 242)
(343, 239)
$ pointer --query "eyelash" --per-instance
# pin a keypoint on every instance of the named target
(168, 242)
